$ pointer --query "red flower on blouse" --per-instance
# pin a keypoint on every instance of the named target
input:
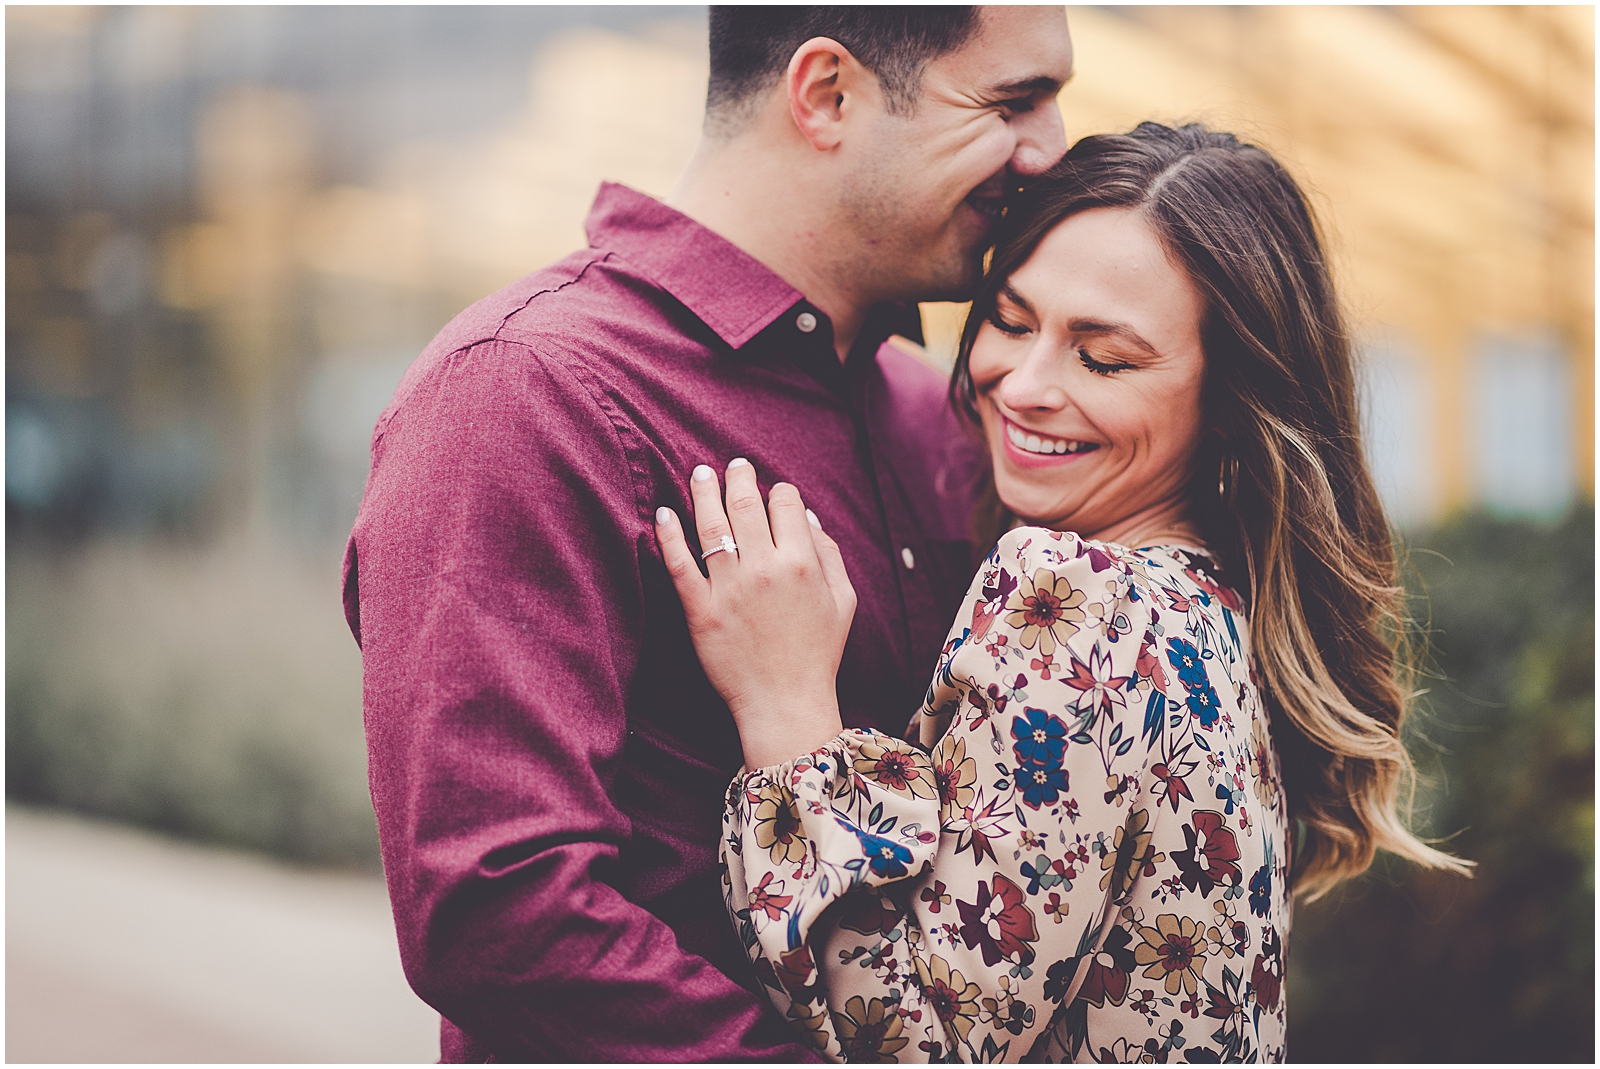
(999, 923)
(1172, 786)
(765, 901)
(1212, 853)
(797, 972)
(1110, 971)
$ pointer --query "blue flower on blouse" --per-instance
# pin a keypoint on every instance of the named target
(1041, 738)
(1261, 891)
(1203, 703)
(885, 857)
(1186, 659)
(1040, 784)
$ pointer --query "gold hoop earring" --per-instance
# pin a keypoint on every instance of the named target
(1227, 477)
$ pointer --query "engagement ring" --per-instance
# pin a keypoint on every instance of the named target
(727, 546)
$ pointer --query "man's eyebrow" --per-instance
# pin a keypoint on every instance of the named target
(1042, 83)
(1115, 330)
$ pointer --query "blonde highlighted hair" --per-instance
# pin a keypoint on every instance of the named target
(1281, 491)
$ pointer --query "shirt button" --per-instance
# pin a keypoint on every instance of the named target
(806, 322)
(907, 558)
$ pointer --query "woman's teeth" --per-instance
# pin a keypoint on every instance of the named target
(1033, 443)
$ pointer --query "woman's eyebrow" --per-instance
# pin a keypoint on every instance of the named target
(1015, 298)
(1116, 330)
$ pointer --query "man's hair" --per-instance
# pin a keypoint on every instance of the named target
(751, 48)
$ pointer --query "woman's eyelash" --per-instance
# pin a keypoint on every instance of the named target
(1083, 354)
(1098, 368)
(1004, 327)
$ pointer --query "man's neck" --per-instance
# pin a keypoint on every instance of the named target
(745, 190)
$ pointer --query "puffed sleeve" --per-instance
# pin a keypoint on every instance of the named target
(833, 827)
(1032, 766)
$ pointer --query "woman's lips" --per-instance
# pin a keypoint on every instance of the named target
(1030, 449)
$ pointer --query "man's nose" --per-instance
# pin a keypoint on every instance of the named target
(1041, 140)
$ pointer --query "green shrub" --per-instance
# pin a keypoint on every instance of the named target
(213, 693)
(1405, 965)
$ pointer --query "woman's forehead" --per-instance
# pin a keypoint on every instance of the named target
(1106, 254)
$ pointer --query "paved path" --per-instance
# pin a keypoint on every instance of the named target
(125, 947)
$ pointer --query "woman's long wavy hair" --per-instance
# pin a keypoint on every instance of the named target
(1281, 492)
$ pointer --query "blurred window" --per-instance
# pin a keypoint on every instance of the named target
(1397, 429)
(1521, 431)
(35, 465)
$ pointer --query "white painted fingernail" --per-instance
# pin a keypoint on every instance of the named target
(737, 462)
(663, 515)
(702, 472)
(812, 516)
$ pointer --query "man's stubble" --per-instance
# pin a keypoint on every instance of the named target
(896, 252)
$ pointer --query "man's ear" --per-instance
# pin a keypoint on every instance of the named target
(825, 83)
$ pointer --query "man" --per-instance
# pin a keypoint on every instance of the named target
(548, 762)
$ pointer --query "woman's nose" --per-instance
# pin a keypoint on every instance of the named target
(1031, 385)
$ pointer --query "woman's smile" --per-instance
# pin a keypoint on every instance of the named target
(1031, 449)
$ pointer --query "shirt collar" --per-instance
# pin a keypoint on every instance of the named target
(728, 289)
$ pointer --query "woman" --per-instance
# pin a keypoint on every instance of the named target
(1171, 693)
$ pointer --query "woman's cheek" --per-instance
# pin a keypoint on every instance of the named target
(981, 372)
(988, 362)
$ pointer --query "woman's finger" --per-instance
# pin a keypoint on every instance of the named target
(710, 522)
(787, 513)
(747, 513)
(833, 569)
(693, 588)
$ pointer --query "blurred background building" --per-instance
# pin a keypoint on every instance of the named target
(229, 230)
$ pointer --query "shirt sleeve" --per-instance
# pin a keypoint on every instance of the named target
(497, 602)
(925, 902)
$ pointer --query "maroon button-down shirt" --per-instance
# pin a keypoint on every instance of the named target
(548, 761)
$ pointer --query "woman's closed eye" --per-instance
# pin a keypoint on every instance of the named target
(1013, 329)
(1098, 367)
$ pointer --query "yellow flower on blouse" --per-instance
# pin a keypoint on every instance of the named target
(1266, 783)
(811, 1022)
(1047, 609)
(952, 997)
(1175, 949)
(897, 769)
(954, 773)
(1130, 855)
(777, 821)
(869, 1031)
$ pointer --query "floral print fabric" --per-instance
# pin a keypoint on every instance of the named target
(1082, 857)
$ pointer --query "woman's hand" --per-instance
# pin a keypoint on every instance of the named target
(771, 620)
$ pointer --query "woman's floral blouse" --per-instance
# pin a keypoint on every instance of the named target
(1095, 805)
